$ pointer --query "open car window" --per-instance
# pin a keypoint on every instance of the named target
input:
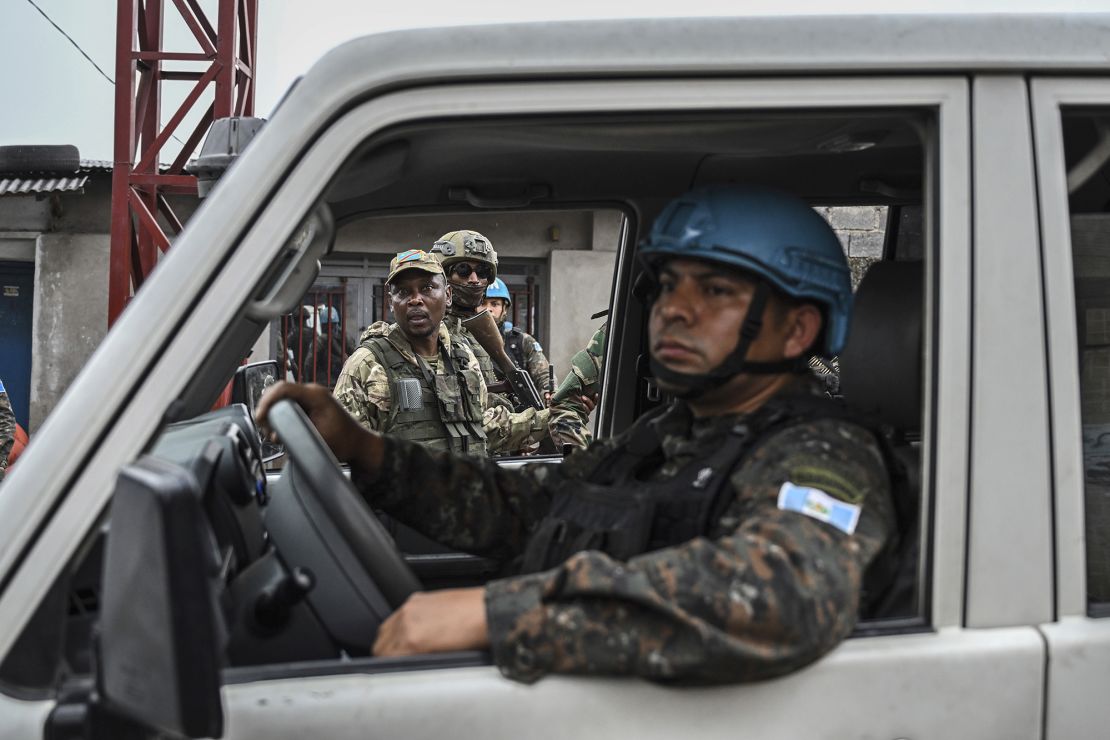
(564, 198)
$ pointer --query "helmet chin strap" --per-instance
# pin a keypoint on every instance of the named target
(694, 385)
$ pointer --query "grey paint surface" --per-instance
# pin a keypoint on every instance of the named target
(1010, 484)
(70, 313)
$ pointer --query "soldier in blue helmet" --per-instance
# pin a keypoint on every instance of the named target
(521, 346)
(730, 535)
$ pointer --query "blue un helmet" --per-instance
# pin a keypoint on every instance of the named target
(498, 289)
(776, 238)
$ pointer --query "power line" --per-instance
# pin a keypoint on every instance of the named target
(75, 44)
(78, 47)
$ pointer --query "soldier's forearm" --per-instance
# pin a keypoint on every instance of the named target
(737, 609)
(467, 503)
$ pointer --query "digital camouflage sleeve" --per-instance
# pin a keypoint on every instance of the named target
(768, 591)
(7, 430)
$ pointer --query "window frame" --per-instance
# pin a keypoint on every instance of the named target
(947, 323)
(1049, 97)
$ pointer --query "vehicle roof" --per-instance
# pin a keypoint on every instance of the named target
(834, 43)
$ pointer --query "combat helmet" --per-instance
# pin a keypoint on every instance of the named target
(775, 238)
(498, 289)
(456, 246)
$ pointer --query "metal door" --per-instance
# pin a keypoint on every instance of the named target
(16, 304)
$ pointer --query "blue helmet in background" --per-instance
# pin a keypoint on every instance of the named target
(768, 233)
(498, 289)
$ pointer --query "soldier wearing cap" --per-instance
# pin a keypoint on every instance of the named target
(731, 535)
(412, 379)
(470, 264)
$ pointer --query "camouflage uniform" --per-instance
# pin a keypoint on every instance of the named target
(763, 592)
(569, 423)
(7, 429)
(364, 384)
(507, 431)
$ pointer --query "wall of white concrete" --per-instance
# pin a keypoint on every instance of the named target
(70, 314)
(582, 282)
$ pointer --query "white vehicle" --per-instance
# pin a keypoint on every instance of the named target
(987, 140)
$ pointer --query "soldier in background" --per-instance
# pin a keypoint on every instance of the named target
(577, 395)
(727, 536)
(7, 429)
(521, 346)
(413, 379)
(470, 263)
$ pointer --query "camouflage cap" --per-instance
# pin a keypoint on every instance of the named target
(456, 246)
(413, 259)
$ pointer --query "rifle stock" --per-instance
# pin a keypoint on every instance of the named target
(485, 330)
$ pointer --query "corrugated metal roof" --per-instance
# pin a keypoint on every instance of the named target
(96, 165)
(42, 185)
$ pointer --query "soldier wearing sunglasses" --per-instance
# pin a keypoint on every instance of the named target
(470, 262)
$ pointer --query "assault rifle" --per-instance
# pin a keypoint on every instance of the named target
(485, 330)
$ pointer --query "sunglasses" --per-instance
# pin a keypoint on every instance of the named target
(463, 270)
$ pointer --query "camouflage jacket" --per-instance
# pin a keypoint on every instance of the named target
(765, 592)
(507, 431)
(7, 430)
(528, 355)
(569, 423)
(363, 384)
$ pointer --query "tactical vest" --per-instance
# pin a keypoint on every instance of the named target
(449, 416)
(618, 511)
(514, 345)
(453, 322)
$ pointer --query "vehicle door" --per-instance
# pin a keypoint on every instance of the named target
(974, 666)
(1071, 118)
(970, 665)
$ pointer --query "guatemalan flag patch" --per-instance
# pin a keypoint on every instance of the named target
(820, 506)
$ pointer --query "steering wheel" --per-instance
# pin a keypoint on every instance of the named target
(319, 521)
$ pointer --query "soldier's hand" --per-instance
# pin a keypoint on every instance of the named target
(588, 401)
(349, 441)
(436, 622)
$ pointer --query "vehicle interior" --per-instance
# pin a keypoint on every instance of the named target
(305, 570)
(1087, 149)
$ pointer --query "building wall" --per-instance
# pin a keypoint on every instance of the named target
(70, 313)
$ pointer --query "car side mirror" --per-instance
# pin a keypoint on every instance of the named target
(161, 635)
(247, 387)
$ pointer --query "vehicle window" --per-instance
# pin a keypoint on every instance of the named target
(559, 200)
(1085, 138)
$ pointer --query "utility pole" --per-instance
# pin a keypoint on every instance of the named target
(141, 214)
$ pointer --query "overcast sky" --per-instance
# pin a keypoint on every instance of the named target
(51, 94)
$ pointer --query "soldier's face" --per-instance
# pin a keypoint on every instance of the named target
(696, 319)
(470, 272)
(419, 299)
(495, 306)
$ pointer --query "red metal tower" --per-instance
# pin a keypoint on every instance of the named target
(139, 184)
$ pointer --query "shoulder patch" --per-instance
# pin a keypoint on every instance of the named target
(819, 505)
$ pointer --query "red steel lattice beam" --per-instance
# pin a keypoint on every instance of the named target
(141, 215)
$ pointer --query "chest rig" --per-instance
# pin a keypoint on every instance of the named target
(620, 510)
(514, 345)
(448, 414)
